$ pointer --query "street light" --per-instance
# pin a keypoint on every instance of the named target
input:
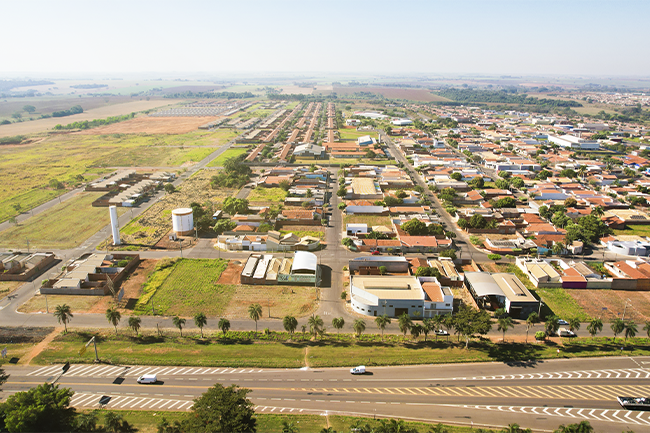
(625, 308)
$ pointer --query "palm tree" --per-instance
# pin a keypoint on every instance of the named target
(255, 312)
(427, 326)
(582, 170)
(552, 325)
(289, 427)
(359, 326)
(405, 323)
(503, 324)
(113, 316)
(224, 325)
(597, 211)
(63, 314)
(530, 322)
(574, 324)
(134, 323)
(646, 328)
(630, 329)
(437, 322)
(200, 321)
(315, 325)
(416, 330)
(179, 323)
(338, 323)
(383, 321)
(594, 327)
(290, 324)
(617, 326)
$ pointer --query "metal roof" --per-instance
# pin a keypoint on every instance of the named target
(483, 284)
(304, 261)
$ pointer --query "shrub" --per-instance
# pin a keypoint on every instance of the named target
(494, 256)
(540, 335)
(475, 240)
(509, 256)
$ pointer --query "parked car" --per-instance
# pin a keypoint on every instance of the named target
(563, 332)
(358, 370)
(376, 253)
(441, 332)
(147, 378)
(562, 322)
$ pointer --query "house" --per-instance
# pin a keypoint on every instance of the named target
(352, 122)
(309, 150)
(355, 229)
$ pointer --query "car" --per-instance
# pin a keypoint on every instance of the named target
(376, 253)
(147, 378)
(563, 332)
(441, 332)
(358, 370)
(562, 322)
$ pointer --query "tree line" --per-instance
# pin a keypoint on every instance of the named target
(64, 113)
(88, 124)
(210, 95)
(502, 97)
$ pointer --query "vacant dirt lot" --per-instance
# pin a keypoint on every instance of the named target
(283, 300)
(394, 93)
(593, 302)
(153, 125)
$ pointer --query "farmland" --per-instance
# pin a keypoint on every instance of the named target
(155, 125)
(261, 195)
(155, 222)
(230, 153)
(63, 226)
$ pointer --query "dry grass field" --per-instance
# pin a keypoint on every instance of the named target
(393, 93)
(282, 301)
(593, 302)
(154, 125)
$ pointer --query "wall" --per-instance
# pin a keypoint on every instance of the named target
(32, 273)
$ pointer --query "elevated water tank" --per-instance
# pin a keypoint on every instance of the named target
(183, 221)
(115, 225)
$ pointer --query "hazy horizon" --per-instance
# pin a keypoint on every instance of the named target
(204, 38)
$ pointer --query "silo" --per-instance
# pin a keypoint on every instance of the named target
(115, 225)
(183, 221)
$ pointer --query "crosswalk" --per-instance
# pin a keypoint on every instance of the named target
(92, 401)
(629, 373)
(81, 370)
(566, 392)
(610, 415)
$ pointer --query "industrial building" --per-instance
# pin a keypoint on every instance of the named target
(302, 269)
(502, 290)
(573, 142)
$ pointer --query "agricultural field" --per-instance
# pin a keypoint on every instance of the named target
(367, 219)
(41, 125)
(230, 153)
(184, 287)
(26, 170)
(261, 196)
(147, 229)
(392, 93)
(65, 225)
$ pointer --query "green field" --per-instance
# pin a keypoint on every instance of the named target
(368, 219)
(63, 226)
(186, 287)
(230, 153)
(353, 134)
(267, 195)
(15, 350)
(634, 230)
(26, 170)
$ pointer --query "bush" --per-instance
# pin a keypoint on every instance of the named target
(540, 335)
(475, 240)
(494, 256)
(509, 256)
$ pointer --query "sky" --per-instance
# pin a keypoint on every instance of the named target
(522, 37)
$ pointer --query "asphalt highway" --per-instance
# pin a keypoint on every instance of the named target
(536, 394)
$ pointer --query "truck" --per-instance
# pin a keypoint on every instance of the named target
(358, 370)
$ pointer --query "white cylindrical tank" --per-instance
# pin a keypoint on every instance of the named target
(183, 221)
(115, 225)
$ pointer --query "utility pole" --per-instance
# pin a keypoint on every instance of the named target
(625, 308)
(96, 356)
(180, 243)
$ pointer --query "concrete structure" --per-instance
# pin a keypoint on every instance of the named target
(393, 264)
(629, 248)
(573, 142)
(183, 221)
(355, 229)
(494, 291)
(115, 225)
(401, 122)
(375, 295)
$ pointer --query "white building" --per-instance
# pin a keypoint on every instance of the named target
(402, 122)
(573, 142)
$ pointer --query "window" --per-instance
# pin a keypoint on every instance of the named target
(446, 305)
(390, 306)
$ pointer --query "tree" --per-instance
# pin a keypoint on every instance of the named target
(342, 191)
(179, 323)
(44, 408)
(165, 426)
(448, 253)
(597, 211)
(86, 422)
(618, 326)
(315, 325)
(115, 423)
(503, 324)
(557, 248)
(574, 324)
(200, 321)
(518, 182)
(224, 225)
(427, 271)
(383, 270)
(415, 227)
(594, 327)
(404, 321)
(416, 330)
(234, 206)
(383, 321)
(224, 325)
(457, 176)
(370, 154)
(222, 409)
(530, 322)
(29, 109)
(646, 328)
(170, 188)
(255, 313)
(359, 326)
(289, 427)
(338, 323)
(63, 314)
(285, 185)
(570, 202)
(494, 256)
(113, 316)
(630, 329)
(582, 427)
(552, 325)
(134, 324)
(469, 322)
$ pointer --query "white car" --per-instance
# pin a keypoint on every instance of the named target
(147, 378)
(358, 370)
(562, 322)
(441, 332)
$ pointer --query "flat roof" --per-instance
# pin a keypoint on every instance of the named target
(387, 287)
(513, 288)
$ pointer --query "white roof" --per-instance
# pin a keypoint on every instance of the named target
(304, 260)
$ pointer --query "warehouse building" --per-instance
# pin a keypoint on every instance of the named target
(502, 290)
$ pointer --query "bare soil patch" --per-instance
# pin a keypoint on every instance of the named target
(283, 300)
(8, 287)
(23, 334)
(152, 125)
(232, 273)
(593, 302)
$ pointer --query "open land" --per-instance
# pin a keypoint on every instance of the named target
(215, 137)
(230, 153)
(40, 125)
(314, 231)
(154, 125)
(367, 219)
(63, 226)
(147, 229)
(261, 195)
(8, 287)
(49, 104)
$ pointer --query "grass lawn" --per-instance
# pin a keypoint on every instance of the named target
(320, 234)
(63, 226)
(15, 350)
(353, 134)
(275, 350)
(37, 303)
(634, 230)
(371, 220)
(267, 195)
(186, 287)
(230, 153)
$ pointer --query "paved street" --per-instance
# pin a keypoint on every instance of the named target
(536, 394)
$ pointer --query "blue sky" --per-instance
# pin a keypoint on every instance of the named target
(567, 37)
